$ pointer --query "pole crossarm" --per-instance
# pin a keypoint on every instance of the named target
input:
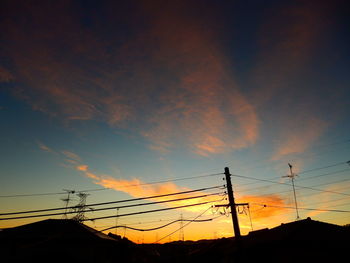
(227, 205)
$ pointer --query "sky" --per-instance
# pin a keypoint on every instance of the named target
(116, 94)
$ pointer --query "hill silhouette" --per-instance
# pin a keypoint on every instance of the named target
(69, 241)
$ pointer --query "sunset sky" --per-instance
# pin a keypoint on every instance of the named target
(116, 94)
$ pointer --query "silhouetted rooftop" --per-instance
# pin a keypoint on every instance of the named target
(69, 241)
(59, 240)
(54, 228)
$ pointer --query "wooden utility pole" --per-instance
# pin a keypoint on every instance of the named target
(232, 204)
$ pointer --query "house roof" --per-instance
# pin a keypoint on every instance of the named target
(54, 228)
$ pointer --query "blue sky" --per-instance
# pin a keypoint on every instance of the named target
(93, 93)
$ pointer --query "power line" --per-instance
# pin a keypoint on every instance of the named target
(173, 180)
(114, 216)
(311, 170)
(103, 189)
(303, 195)
(113, 202)
(289, 213)
(310, 155)
(54, 193)
(330, 201)
(183, 226)
(304, 208)
(159, 227)
(274, 182)
(300, 179)
(110, 208)
(148, 222)
(320, 175)
(320, 168)
(27, 195)
(151, 211)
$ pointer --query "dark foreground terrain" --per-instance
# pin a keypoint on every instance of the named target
(68, 241)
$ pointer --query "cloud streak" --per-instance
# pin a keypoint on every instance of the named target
(297, 139)
(137, 188)
(289, 40)
(259, 212)
(169, 82)
(45, 148)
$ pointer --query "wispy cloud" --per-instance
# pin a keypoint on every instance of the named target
(71, 155)
(45, 148)
(170, 82)
(289, 40)
(259, 211)
(137, 188)
(297, 139)
(203, 106)
(83, 168)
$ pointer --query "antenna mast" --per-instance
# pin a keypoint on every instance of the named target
(292, 176)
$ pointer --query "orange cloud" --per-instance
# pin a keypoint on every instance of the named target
(259, 212)
(171, 78)
(297, 139)
(45, 148)
(137, 188)
(71, 155)
(82, 168)
(204, 108)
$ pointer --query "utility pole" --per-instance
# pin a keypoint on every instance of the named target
(232, 204)
(181, 234)
(291, 176)
(116, 222)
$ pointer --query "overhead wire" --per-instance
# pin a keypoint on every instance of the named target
(287, 191)
(114, 202)
(303, 208)
(115, 216)
(148, 222)
(183, 226)
(298, 186)
(310, 155)
(299, 179)
(311, 170)
(110, 208)
(149, 211)
(103, 189)
(172, 180)
(159, 227)
(53, 193)
(320, 168)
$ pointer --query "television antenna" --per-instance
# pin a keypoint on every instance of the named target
(292, 176)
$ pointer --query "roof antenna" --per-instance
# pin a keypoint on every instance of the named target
(292, 176)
